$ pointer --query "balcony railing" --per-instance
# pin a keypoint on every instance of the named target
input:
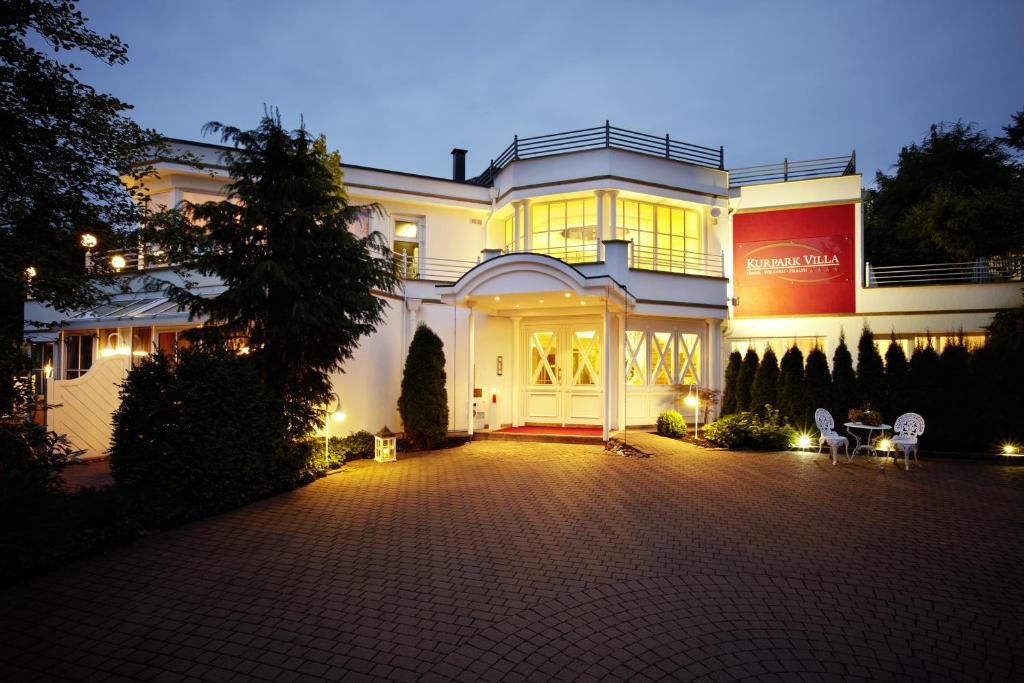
(682, 262)
(430, 268)
(122, 260)
(603, 137)
(827, 167)
(978, 271)
(578, 253)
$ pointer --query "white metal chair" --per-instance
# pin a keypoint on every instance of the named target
(826, 426)
(908, 427)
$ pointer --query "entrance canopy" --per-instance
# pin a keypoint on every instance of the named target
(514, 283)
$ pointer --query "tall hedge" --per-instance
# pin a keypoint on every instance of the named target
(954, 426)
(791, 385)
(732, 375)
(764, 391)
(745, 380)
(896, 387)
(423, 403)
(924, 391)
(870, 370)
(844, 382)
(817, 385)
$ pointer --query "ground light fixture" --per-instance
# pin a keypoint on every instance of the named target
(803, 441)
(1010, 449)
(693, 400)
(385, 445)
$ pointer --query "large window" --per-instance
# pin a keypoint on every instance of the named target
(566, 230)
(664, 237)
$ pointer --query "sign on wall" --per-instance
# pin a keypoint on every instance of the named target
(794, 261)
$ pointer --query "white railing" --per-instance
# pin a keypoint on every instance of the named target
(141, 258)
(431, 268)
(672, 261)
(578, 253)
(980, 270)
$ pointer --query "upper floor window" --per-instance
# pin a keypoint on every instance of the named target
(408, 246)
(566, 230)
(661, 235)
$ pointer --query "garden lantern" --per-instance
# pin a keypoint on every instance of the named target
(332, 411)
(693, 400)
(385, 446)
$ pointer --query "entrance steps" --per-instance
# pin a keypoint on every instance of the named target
(571, 435)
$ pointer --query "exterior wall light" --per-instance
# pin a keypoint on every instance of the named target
(118, 262)
(30, 272)
(385, 445)
(88, 240)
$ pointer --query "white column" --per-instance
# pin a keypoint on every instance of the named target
(612, 208)
(516, 345)
(620, 367)
(525, 205)
(600, 226)
(470, 357)
(713, 373)
(517, 226)
(608, 381)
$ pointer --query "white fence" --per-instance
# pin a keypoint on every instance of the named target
(84, 405)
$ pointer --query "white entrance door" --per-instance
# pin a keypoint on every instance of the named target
(563, 384)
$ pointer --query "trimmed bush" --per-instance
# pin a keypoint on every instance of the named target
(924, 389)
(201, 434)
(791, 385)
(817, 386)
(745, 380)
(423, 403)
(671, 423)
(870, 371)
(844, 381)
(732, 374)
(764, 391)
(747, 430)
(895, 403)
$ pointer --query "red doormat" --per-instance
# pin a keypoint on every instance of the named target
(563, 431)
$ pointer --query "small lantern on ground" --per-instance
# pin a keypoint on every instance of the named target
(385, 446)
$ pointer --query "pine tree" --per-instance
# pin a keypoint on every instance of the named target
(870, 370)
(896, 387)
(817, 385)
(925, 387)
(844, 382)
(791, 385)
(954, 373)
(745, 380)
(423, 404)
(732, 374)
(764, 391)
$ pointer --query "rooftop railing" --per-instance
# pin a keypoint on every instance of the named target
(603, 137)
(978, 271)
(826, 167)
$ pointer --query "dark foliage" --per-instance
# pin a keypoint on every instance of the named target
(301, 289)
(896, 387)
(202, 434)
(817, 386)
(423, 403)
(791, 386)
(870, 371)
(748, 430)
(745, 380)
(730, 397)
(951, 428)
(924, 390)
(844, 381)
(764, 391)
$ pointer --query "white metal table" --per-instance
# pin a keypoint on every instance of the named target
(868, 445)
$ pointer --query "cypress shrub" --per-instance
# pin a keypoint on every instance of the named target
(844, 382)
(764, 391)
(870, 370)
(817, 385)
(896, 387)
(954, 426)
(745, 380)
(924, 380)
(423, 403)
(791, 385)
(732, 374)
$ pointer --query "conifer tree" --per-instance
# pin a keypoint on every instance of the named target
(791, 385)
(732, 374)
(764, 391)
(423, 404)
(925, 386)
(844, 382)
(896, 386)
(745, 380)
(870, 370)
(954, 373)
(817, 385)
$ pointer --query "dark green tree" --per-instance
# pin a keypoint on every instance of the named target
(745, 380)
(844, 382)
(67, 152)
(927, 211)
(925, 387)
(954, 372)
(423, 403)
(732, 375)
(896, 386)
(791, 385)
(764, 391)
(817, 386)
(870, 370)
(301, 289)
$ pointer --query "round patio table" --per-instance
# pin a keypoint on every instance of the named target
(852, 428)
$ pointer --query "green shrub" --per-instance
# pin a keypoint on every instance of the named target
(732, 375)
(870, 369)
(671, 423)
(341, 449)
(791, 385)
(423, 403)
(747, 430)
(844, 380)
(817, 386)
(200, 435)
(745, 380)
(764, 390)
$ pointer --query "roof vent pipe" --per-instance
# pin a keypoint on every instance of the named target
(459, 165)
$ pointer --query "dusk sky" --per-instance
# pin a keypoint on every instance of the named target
(398, 84)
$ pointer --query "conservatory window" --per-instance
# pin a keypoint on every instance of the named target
(566, 230)
(662, 236)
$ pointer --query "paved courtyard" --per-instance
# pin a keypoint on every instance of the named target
(543, 561)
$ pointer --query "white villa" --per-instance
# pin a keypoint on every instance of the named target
(578, 281)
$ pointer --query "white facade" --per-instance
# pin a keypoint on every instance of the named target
(580, 287)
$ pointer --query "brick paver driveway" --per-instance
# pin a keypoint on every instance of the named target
(498, 561)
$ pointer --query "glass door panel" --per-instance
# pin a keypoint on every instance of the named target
(586, 351)
(544, 366)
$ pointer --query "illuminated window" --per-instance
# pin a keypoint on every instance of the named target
(661, 358)
(672, 358)
(779, 344)
(510, 234)
(566, 230)
(664, 237)
(78, 354)
(636, 357)
(689, 358)
(408, 247)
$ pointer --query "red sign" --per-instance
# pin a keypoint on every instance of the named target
(794, 261)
